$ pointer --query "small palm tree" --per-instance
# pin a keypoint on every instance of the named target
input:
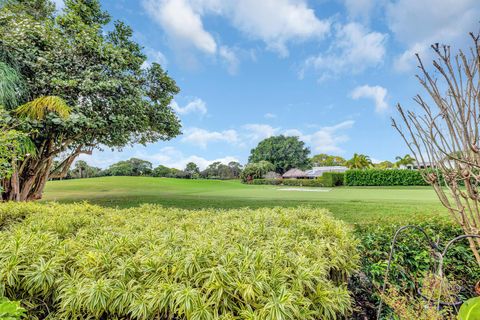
(405, 160)
(359, 161)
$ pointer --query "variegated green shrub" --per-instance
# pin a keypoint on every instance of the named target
(82, 261)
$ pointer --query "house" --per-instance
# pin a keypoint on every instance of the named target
(313, 173)
(294, 173)
(316, 172)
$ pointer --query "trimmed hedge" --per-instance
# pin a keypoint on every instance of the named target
(290, 182)
(378, 177)
(332, 179)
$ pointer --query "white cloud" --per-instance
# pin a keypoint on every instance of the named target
(269, 115)
(354, 49)
(377, 93)
(196, 105)
(230, 58)
(181, 23)
(258, 132)
(360, 8)
(418, 24)
(326, 139)
(202, 137)
(275, 22)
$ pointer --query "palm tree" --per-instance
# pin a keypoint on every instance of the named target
(359, 161)
(405, 161)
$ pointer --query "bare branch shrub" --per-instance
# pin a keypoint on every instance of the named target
(444, 134)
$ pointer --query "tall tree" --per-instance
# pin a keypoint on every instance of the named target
(98, 73)
(130, 167)
(283, 152)
(359, 161)
(192, 170)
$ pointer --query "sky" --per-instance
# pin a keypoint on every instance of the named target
(329, 72)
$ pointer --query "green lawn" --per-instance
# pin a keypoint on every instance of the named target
(352, 204)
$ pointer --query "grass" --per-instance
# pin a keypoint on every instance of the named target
(357, 205)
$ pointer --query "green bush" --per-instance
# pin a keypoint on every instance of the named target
(11, 310)
(87, 262)
(379, 177)
(275, 182)
(303, 182)
(412, 259)
(332, 179)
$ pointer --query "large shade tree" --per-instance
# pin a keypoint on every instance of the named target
(326, 160)
(283, 152)
(100, 74)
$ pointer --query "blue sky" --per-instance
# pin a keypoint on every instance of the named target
(329, 72)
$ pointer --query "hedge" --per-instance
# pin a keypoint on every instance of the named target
(80, 261)
(332, 179)
(290, 182)
(378, 177)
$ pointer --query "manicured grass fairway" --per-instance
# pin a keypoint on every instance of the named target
(352, 204)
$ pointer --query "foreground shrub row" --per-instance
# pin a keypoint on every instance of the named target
(377, 177)
(83, 261)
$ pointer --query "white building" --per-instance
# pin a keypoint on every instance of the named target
(319, 171)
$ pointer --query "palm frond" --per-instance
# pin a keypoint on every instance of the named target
(38, 108)
(11, 86)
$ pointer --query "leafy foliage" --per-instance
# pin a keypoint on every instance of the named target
(470, 309)
(359, 161)
(84, 261)
(99, 73)
(379, 177)
(218, 170)
(11, 310)
(38, 108)
(283, 152)
(332, 179)
(326, 160)
(256, 170)
(131, 167)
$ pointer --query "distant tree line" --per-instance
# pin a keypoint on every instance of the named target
(139, 167)
(273, 156)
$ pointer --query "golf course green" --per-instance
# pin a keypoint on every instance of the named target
(353, 204)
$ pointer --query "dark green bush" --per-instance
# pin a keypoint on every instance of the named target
(379, 177)
(412, 259)
(332, 179)
(267, 181)
(303, 182)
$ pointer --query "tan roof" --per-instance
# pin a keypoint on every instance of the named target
(294, 173)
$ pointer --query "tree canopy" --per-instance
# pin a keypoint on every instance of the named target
(359, 161)
(283, 152)
(99, 73)
(326, 160)
(131, 167)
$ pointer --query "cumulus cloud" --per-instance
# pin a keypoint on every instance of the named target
(258, 132)
(446, 21)
(377, 93)
(354, 49)
(181, 23)
(326, 139)
(202, 137)
(360, 9)
(293, 21)
(197, 105)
